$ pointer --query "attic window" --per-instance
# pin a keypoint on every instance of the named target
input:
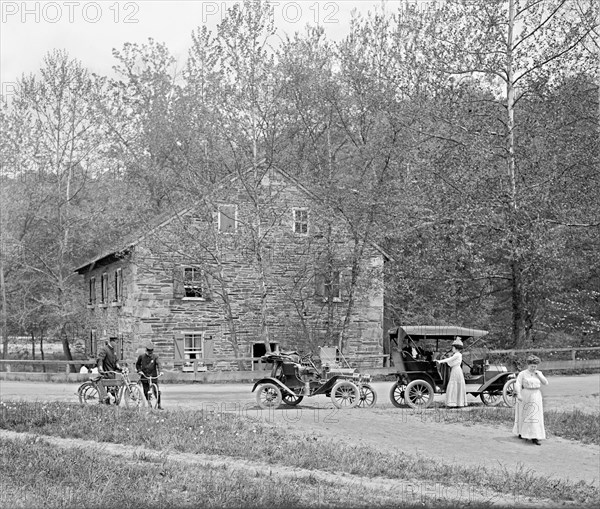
(300, 217)
(227, 218)
(192, 283)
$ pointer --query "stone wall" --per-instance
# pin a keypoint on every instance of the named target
(297, 317)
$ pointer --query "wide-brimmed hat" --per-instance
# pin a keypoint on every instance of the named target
(149, 345)
(457, 342)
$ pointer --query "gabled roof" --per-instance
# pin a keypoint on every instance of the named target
(167, 217)
(132, 240)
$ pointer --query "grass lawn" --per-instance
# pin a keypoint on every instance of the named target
(41, 473)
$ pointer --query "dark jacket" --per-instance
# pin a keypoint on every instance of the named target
(148, 364)
(107, 359)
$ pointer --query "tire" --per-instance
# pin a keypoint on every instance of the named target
(419, 394)
(345, 394)
(368, 396)
(134, 396)
(152, 396)
(268, 396)
(88, 394)
(490, 399)
(81, 388)
(397, 394)
(509, 394)
(290, 400)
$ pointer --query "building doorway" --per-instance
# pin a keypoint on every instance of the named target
(260, 349)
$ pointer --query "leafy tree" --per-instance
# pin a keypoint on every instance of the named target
(52, 146)
(514, 49)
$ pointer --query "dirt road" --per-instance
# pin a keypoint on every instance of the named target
(388, 428)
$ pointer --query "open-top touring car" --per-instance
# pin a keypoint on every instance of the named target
(294, 377)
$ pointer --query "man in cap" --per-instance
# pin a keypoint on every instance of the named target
(147, 366)
(107, 365)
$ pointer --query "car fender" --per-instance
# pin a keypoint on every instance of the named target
(500, 379)
(420, 375)
(278, 383)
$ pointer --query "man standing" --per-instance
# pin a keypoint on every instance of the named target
(107, 364)
(148, 368)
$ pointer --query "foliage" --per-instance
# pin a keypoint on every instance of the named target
(474, 165)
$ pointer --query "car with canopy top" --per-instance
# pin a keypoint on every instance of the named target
(413, 351)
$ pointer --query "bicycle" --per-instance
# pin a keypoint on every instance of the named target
(122, 389)
(153, 392)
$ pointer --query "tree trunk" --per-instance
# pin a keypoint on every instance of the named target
(4, 311)
(66, 347)
(224, 294)
(264, 292)
(356, 257)
(513, 224)
(517, 305)
(42, 349)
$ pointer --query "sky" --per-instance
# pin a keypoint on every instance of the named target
(89, 30)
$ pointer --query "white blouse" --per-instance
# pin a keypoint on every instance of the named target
(455, 360)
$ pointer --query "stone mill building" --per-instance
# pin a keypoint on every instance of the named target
(261, 263)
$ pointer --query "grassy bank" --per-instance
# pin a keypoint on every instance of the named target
(229, 435)
(573, 425)
(40, 475)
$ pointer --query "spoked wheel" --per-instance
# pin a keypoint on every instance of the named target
(134, 396)
(397, 394)
(152, 396)
(419, 394)
(88, 394)
(269, 396)
(345, 394)
(490, 399)
(291, 400)
(368, 396)
(509, 393)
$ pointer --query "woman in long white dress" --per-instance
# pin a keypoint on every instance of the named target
(529, 410)
(456, 391)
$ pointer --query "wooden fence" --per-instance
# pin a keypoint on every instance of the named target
(369, 363)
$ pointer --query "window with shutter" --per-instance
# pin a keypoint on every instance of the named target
(92, 296)
(327, 285)
(118, 285)
(104, 289)
(227, 218)
(190, 351)
(178, 288)
(178, 347)
(192, 345)
(300, 221)
(332, 286)
(208, 351)
(192, 282)
(93, 351)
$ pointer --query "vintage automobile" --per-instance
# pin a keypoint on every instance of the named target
(294, 377)
(509, 393)
(413, 351)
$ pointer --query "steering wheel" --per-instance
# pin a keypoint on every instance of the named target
(306, 358)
